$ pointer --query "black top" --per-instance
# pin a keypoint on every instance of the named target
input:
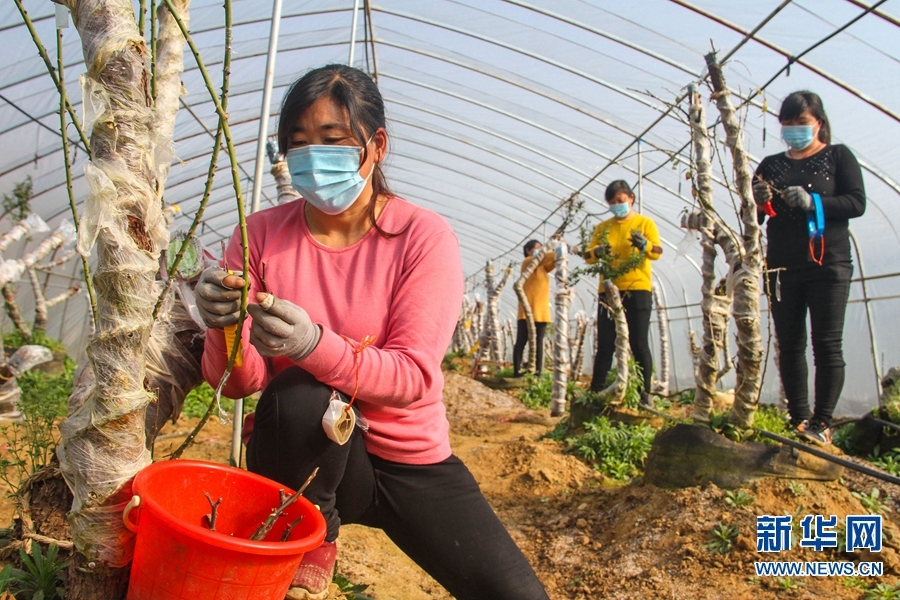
(834, 174)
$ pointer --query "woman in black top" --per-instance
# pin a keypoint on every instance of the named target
(813, 184)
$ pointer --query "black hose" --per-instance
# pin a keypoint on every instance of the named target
(830, 457)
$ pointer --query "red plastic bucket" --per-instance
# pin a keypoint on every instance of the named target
(176, 555)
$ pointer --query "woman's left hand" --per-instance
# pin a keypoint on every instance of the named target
(796, 197)
(282, 328)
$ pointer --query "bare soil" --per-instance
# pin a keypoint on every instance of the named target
(586, 536)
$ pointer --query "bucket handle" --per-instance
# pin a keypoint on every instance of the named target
(133, 503)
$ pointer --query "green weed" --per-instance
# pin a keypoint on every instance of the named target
(197, 402)
(31, 443)
(537, 390)
(738, 499)
(615, 449)
(842, 437)
(889, 461)
(796, 488)
(771, 418)
(350, 590)
(722, 539)
(17, 339)
(883, 591)
(42, 578)
(788, 583)
(872, 502)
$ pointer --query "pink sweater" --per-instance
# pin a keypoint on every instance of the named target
(405, 290)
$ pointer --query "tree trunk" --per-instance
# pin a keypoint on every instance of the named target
(30, 224)
(746, 277)
(489, 342)
(286, 192)
(702, 221)
(580, 337)
(103, 438)
(615, 393)
(662, 318)
(14, 312)
(561, 337)
(14, 269)
(519, 288)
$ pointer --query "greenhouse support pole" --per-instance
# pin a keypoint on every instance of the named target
(640, 174)
(264, 112)
(353, 31)
(873, 346)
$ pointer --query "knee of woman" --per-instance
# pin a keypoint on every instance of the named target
(293, 396)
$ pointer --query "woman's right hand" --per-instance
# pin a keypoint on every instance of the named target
(219, 297)
(762, 192)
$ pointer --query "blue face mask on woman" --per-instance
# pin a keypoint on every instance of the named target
(797, 137)
(327, 176)
(620, 211)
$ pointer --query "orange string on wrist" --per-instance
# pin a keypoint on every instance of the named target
(357, 351)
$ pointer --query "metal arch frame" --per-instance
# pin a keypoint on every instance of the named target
(820, 72)
(540, 127)
(549, 61)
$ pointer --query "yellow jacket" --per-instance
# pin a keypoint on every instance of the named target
(618, 237)
(537, 289)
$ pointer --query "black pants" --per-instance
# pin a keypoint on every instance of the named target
(435, 513)
(823, 291)
(522, 340)
(638, 305)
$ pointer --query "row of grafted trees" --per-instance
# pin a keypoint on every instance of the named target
(735, 296)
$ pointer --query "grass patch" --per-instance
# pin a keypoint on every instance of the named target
(615, 449)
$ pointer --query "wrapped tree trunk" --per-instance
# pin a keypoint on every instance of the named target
(489, 342)
(615, 393)
(581, 325)
(12, 270)
(720, 319)
(519, 288)
(702, 221)
(746, 276)
(286, 192)
(14, 311)
(103, 439)
(662, 385)
(27, 226)
(561, 337)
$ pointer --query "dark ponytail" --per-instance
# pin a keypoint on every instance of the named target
(355, 91)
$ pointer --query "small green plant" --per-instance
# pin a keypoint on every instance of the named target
(197, 402)
(537, 390)
(6, 578)
(607, 267)
(719, 423)
(722, 539)
(634, 387)
(888, 461)
(842, 437)
(31, 443)
(17, 339)
(854, 583)
(686, 397)
(42, 578)
(772, 419)
(738, 499)
(883, 591)
(615, 449)
(796, 488)
(788, 583)
(350, 590)
(872, 502)
(504, 372)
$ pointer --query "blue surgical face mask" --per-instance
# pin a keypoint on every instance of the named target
(797, 137)
(620, 211)
(327, 176)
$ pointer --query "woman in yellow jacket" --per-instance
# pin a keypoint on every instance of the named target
(615, 241)
(537, 291)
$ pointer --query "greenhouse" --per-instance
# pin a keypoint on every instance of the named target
(144, 162)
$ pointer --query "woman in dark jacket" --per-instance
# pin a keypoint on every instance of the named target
(809, 193)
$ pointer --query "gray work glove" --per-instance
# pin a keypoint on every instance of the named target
(284, 329)
(638, 240)
(796, 197)
(762, 193)
(219, 304)
(598, 252)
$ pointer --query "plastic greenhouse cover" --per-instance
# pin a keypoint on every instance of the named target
(499, 110)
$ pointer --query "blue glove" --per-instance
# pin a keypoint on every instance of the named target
(281, 328)
(796, 197)
(638, 240)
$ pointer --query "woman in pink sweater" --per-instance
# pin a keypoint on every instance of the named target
(348, 262)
